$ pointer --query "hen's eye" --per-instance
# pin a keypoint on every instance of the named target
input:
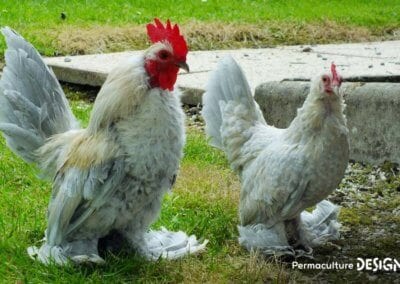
(324, 79)
(163, 55)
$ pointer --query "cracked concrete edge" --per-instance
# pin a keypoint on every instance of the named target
(189, 96)
(358, 79)
(193, 96)
(79, 77)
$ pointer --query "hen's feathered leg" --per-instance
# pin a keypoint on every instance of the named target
(84, 251)
(319, 226)
(268, 240)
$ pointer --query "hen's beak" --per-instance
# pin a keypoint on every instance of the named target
(183, 65)
(337, 81)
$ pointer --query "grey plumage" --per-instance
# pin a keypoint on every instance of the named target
(33, 106)
(229, 87)
(282, 171)
(108, 179)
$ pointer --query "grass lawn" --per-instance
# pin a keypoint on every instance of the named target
(93, 26)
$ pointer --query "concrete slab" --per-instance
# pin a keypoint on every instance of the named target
(379, 59)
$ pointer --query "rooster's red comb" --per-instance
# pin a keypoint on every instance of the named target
(157, 32)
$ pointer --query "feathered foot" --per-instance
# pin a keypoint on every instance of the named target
(47, 254)
(78, 252)
(319, 226)
(295, 237)
(169, 245)
(269, 241)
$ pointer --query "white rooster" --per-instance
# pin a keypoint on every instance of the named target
(110, 178)
(282, 171)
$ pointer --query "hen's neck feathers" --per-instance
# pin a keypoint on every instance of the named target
(316, 116)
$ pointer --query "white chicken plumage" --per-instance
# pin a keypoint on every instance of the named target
(109, 177)
(282, 171)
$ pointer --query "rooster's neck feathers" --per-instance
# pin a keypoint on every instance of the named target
(124, 89)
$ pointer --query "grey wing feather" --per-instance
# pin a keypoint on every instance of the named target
(279, 192)
(77, 194)
(288, 186)
(31, 99)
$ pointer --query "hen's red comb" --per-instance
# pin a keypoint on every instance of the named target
(335, 75)
(157, 32)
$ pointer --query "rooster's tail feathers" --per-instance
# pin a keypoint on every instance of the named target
(33, 106)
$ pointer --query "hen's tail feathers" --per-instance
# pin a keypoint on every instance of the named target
(321, 225)
(170, 245)
(228, 87)
(33, 106)
(268, 241)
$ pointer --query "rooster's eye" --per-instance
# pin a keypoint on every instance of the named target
(324, 79)
(163, 54)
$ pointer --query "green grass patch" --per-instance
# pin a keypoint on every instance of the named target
(42, 14)
(199, 152)
(104, 26)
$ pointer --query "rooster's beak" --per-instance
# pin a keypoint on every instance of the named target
(183, 65)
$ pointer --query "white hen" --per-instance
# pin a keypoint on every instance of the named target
(110, 178)
(282, 171)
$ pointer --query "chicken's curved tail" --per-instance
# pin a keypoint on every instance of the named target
(229, 109)
(33, 106)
